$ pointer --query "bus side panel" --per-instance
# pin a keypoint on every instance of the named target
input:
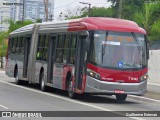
(10, 66)
(19, 60)
(58, 76)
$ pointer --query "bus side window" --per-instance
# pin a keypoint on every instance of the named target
(10, 46)
(22, 45)
(65, 48)
(40, 47)
(18, 45)
(14, 46)
(72, 49)
(59, 49)
(45, 49)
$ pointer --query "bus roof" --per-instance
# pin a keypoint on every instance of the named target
(88, 23)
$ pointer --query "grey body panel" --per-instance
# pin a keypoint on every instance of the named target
(97, 86)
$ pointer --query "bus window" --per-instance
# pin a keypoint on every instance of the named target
(18, 45)
(59, 50)
(60, 41)
(45, 49)
(14, 46)
(72, 49)
(10, 46)
(59, 55)
(22, 45)
(41, 52)
(65, 49)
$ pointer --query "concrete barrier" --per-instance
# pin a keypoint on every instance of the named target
(154, 67)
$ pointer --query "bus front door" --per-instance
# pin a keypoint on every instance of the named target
(26, 55)
(51, 58)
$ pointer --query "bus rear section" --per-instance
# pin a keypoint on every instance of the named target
(117, 64)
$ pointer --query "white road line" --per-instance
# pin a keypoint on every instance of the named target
(67, 99)
(53, 95)
(145, 98)
(4, 107)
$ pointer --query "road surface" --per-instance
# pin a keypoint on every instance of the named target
(29, 98)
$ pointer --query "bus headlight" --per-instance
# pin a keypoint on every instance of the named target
(144, 77)
(93, 74)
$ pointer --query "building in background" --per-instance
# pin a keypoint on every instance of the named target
(33, 10)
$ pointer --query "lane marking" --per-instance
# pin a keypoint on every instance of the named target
(4, 107)
(53, 95)
(68, 99)
(144, 98)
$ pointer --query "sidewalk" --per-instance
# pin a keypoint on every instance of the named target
(153, 91)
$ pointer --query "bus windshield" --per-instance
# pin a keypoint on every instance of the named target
(118, 50)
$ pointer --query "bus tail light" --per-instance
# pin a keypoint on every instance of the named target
(144, 77)
(93, 74)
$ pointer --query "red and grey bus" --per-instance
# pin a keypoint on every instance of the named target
(92, 55)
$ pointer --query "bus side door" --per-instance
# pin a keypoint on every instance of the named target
(51, 59)
(26, 55)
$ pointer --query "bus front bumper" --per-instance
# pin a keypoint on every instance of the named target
(102, 87)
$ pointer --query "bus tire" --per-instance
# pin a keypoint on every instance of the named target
(121, 97)
(71, 93)
(18, 82)
(42, 82)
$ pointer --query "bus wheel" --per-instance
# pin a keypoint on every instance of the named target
(42, 82)
(71, 93)
(18, 82)
(121, 97)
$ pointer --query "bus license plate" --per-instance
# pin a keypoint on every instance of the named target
(119, 91)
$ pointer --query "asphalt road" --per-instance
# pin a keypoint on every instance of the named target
(29, 98)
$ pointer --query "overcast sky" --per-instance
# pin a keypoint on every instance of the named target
(61, 5)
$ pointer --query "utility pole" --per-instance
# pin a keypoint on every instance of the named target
(23, 13)
(89, 8)
(46, 9)
(120, 9)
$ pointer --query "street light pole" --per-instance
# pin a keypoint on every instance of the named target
(120, 9)
(23, 13)
(89, 9)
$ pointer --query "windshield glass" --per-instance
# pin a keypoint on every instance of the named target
(118, 50)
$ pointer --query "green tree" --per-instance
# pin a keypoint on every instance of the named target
(129, 7)
(99, 12)
(15, 25)
(83, 12)
(39, 20)
(3, 45)
(4, 35)
(149, 18)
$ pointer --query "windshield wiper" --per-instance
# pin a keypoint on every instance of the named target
(135, 38)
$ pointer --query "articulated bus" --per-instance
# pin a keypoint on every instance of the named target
(92, 55)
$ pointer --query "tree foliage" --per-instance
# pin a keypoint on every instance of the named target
(4, 35)
(149, 17)
(99, 12)
(71, 13)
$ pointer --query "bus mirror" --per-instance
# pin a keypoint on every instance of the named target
(83, 34)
